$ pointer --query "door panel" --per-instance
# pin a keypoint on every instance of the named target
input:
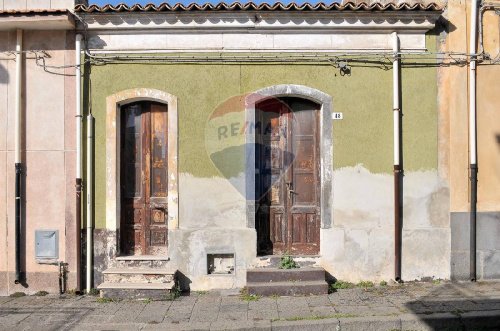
(287, 177)
(144, 178)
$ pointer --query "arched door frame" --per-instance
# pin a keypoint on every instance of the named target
(326, 145)
(113, 106)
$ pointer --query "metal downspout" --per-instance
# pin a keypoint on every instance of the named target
(473, 138)
(90, 138)
(78, 177)
(17, 154)
(398, 169)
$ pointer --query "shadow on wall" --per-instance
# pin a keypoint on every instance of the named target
(459, 311)
(4, 75)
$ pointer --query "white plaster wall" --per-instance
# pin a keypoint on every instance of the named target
(258, 41)
(36, 4)
(211, 202)
(360, 245)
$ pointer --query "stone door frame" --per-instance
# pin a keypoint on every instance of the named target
(325, 140)
(113, 199)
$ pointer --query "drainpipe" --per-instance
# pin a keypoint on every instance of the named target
(90, 137)
(473, 137)
(78, 117)
(398, 170)
(17, 153)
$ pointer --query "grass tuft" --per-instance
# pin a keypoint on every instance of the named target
(341, 285)
(17, 294)
(41, 293)
(245, 296)
(104, 300)
(365, 284)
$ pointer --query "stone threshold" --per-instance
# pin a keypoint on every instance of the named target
(142, 258)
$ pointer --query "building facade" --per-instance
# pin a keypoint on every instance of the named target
(216, 138)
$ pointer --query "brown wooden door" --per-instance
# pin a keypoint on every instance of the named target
(144, 178)
(287, 177)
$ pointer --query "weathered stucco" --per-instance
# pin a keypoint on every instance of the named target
(212, 201)
(361, 243)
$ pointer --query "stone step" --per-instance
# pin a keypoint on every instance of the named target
(266, 275)
(141, 261)
(136, 286)
(288, 288)
(136, 290)
(273, 261)
(138, 275)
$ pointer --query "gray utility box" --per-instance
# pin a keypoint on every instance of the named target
(46, 244)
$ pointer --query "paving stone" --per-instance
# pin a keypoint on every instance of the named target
(353, 310)
(438, 321)
(369, 323)
(378, 308)
(259, 315)
(232, 316)
(5, 299)
(128, 312)
(153, 312)
(318, 301)
(241, 326)
(482, 319)
(178, 326)
(309, 325)
(110, 326)
(322, 311)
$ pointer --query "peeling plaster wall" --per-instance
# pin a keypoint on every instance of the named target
(360, 245)
(212, 211)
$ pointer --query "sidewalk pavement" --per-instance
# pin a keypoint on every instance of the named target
(409, 306)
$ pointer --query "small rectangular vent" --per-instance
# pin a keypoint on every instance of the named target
(220, 264)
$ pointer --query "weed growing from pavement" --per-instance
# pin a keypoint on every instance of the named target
(147, 300)
(275, 296)
(93, 292)
(245, 296)
(174, 293)
(17, 294)
(341, 285)
(287, 262)
(104, 300)
(41, 293)
(201, 292)
(436, 281)
(383, 283)
(365, 284)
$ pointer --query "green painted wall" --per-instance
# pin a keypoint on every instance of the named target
(364, 136)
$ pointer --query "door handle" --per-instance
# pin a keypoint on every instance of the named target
(290, 190)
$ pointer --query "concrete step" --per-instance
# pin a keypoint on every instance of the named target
(138, 275)
(266, 275)
(288, 288)
(136, 290)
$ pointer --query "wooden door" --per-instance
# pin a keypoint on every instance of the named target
(287, 177)
(144, 178)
